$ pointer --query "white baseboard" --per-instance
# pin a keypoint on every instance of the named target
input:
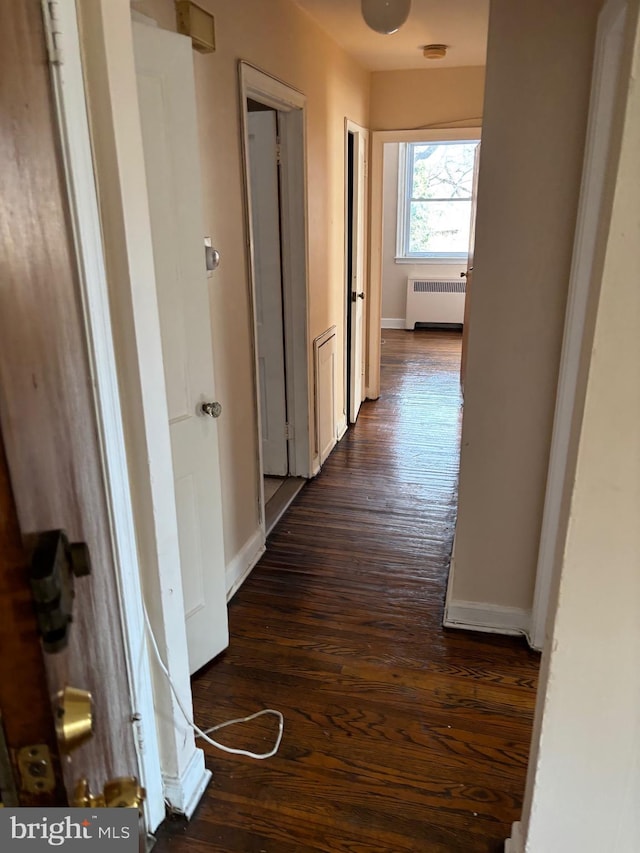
(392, 323)
(329, 451)
(515, 844)
(183, 794)
(487, 618)
(240, 566)
(342, 428)
(482, 616)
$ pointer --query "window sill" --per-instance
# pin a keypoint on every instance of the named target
(459, 262)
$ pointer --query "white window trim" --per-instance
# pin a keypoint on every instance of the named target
(452, 135)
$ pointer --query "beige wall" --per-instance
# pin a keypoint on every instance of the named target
(408, 100)
(584, 778)
(538, 82)
(281, 40)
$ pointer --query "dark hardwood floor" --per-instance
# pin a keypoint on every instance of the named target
(399, 736)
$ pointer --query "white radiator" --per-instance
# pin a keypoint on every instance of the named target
(434, 301)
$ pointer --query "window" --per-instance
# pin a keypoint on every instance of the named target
(434, 199)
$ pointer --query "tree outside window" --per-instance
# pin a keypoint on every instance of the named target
(435, 199)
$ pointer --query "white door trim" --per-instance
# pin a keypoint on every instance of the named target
(109, 72)
(70, 104)
(291, 107)
(604, 87)
(374, 316)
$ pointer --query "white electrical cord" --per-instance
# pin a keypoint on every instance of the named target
(205, 734)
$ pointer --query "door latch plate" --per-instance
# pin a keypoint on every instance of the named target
(36, 769)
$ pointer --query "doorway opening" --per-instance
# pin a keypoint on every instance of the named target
(356, 147)
(275, 190)
(388, 308)
(429, 204)
(423, 195)
(349, 267)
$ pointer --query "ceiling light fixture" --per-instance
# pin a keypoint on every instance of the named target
(434, 51)
(385, 16)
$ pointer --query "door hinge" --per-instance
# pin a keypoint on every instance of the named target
(278, 151)
(53, 31)
(288, 431)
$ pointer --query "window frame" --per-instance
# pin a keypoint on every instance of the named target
(405, 184)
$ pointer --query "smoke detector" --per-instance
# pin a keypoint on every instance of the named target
(434, 51)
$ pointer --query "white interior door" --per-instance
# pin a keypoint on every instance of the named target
(267, 272)
(166, 93)
(469, 273)
(356, 355)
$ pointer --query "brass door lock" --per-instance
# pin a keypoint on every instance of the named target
(122, 793)
(74, 718)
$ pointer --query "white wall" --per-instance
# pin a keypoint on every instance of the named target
(394, 275)
(583, 792)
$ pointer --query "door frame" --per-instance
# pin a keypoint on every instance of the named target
(374, 317)
(604, 87)
(264, 183)
(290, 104)
(358, 250)
(73, 130)
(135, 395)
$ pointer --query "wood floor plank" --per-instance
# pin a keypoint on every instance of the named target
(400, 736)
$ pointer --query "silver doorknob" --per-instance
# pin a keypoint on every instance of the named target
(214, 410)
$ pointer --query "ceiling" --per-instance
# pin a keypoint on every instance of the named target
(460, 24)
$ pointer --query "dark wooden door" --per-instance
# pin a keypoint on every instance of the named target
(47, 411)
(27, 720)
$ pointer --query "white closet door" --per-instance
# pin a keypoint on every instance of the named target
(166, 94)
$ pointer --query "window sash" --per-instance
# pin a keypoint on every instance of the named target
(405, 200)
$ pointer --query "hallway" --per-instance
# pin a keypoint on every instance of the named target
(400, 737)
